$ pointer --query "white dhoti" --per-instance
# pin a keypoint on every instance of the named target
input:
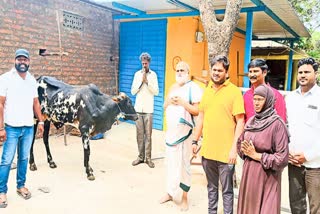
(178, 150)
(178, 167)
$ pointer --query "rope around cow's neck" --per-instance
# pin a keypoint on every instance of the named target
(122, 114)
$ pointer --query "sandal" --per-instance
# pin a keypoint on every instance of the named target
(24, 193)
(3, 200)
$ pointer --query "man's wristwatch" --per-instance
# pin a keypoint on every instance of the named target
(194, 142)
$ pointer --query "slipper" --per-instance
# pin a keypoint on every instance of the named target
(44, 189)
(3, 203)
(24, 193)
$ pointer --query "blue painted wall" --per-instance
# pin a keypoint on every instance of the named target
(138, 37)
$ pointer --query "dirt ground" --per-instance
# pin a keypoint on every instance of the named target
(119, 187)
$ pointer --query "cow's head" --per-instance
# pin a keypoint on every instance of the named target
(125, 105)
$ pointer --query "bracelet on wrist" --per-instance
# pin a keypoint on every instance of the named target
(41, 123)
(195, 142)
(1, 129)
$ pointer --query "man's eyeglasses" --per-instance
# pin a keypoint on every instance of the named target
(181, 70)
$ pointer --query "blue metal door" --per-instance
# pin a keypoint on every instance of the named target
(138, 37)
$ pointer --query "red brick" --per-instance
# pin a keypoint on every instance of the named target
(34, 26)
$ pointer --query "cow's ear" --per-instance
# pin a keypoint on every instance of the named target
(116, 99)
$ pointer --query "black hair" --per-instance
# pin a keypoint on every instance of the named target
(309, 61)
(223, 59)
(261, 63)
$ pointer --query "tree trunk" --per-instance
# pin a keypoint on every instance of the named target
(219, 33)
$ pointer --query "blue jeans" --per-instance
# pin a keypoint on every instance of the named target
(19, 138)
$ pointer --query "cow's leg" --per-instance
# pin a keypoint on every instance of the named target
(32, 164)
(86, 148)
(46, 131)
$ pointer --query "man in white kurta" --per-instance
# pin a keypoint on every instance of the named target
(181, 106)
(145, 87)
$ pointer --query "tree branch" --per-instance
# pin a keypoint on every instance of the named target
(219, 33)
(208, 16)
(232, 13)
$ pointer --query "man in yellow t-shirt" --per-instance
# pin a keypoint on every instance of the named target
(221, 120)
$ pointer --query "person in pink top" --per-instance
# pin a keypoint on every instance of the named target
(258, 69)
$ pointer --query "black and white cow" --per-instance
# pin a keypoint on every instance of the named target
(46, 132)
(85, 107)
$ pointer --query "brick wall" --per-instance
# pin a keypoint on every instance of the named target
(35, 24)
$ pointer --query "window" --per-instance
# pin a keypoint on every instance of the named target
(72, 21)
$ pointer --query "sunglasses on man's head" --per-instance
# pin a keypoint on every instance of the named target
(180, 70)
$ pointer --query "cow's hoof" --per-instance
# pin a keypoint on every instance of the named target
(33, 167)
(91, 177)
(52, 165)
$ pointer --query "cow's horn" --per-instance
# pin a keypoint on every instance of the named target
(122, 95)
(116, 99)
